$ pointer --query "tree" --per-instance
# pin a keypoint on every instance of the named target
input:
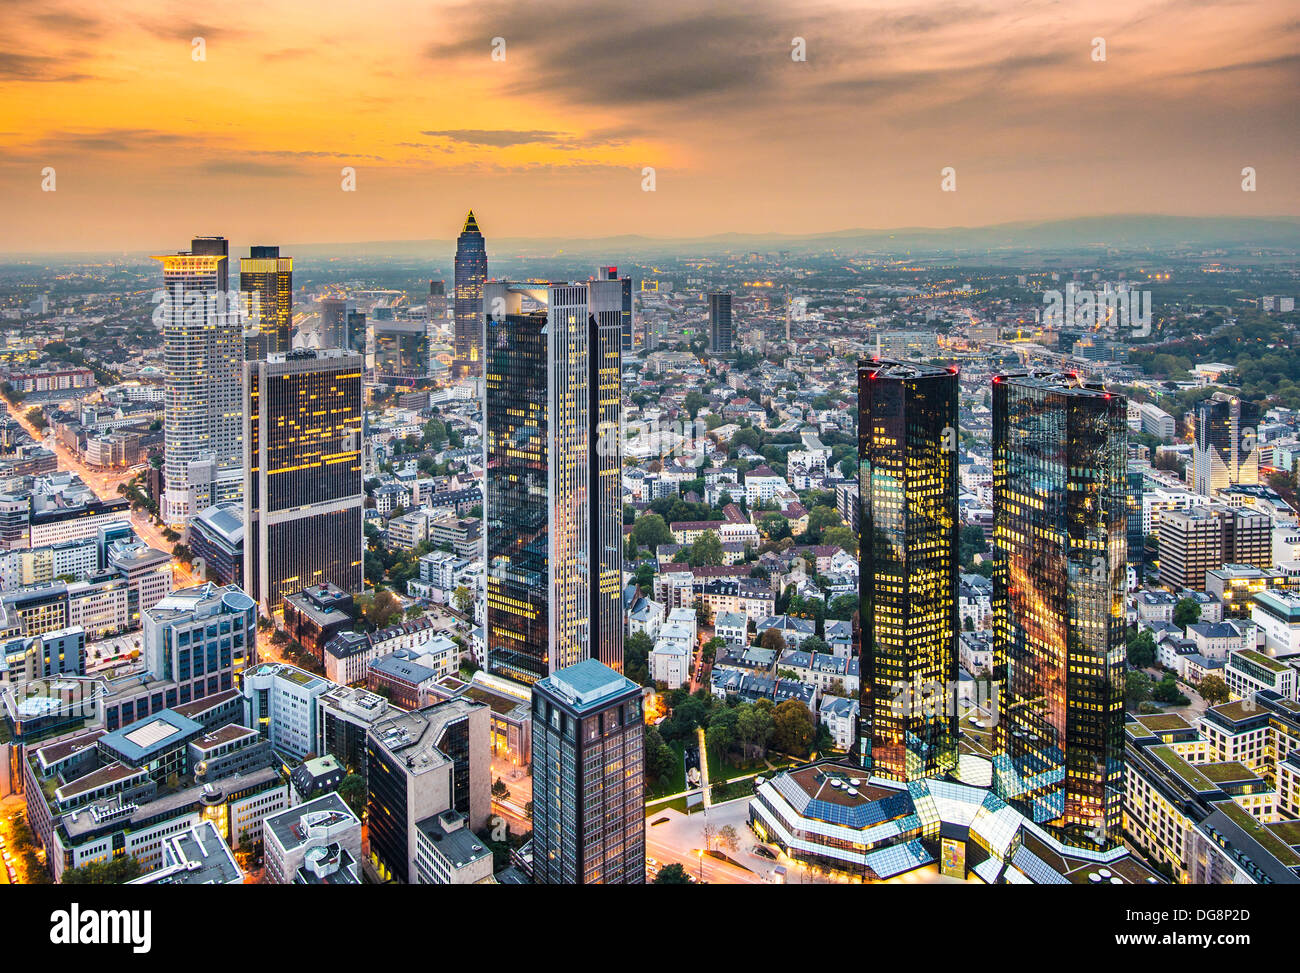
(793, 728)
(841, 537)
(117, 871)
(380, 608)
(1186, 612)
(1213, 690)
(694, 402)
(499, 789)
(1142, 649)
(1137, 688)
(673, 874)
(728, 837)
(352, 789)
(754, 726)
(772, 639)
(462, 599)
(660, 761)
(636, 653)
(707, 549)
(1167, 691)
(651, 530)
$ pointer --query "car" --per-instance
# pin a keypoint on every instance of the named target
(651, 862)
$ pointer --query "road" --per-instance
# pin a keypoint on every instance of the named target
(104, 483)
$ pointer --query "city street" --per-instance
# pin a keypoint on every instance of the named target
(104, 483)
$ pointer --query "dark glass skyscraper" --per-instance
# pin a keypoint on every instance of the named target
(628, 325)
(553, 455)
(303, 495)
(269, 276)
(721, 332)
(907, 439)
(471, 274)
(1226, 451)
(1060, 525)
(588, 778)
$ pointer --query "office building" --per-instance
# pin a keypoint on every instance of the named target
(194, 636)
(1198, 540)
(553, 454)
(471, 275)
(203, 346)
(280, 704)
(721, 330)
(216, 542)
(908, 568)
(628, 310)
(422, 764)
(403, 351)
(318, 831)
(1060, 530)
(1226, 447)
(303, 493)
(266, 280)
(588, 778)
(436, 304)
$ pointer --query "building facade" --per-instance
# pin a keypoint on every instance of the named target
(303, 494)
(202, 350)
(1060, 530)
(588, 770)
(553, 455)
(908, 568)
(471, 275)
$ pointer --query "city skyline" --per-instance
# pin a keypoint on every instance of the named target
(855, 135)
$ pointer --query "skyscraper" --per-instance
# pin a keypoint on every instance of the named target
(629, 323)
(907, 454)
(1226, 451)
(721, 334)
(552, 452)
(333, 329)
(268, 280)
(1060, 526)
(202, 352)
(588, 770)
(303, 494)
(471, 274)
(436, 303)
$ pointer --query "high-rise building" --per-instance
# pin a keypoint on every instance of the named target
(907, 453)
(1060, 527)
(303, 493)
(402, 350)
(333, 331)
(437, 302)
(721, 333)
(1198, 540)
(203, 346)
(471, 275)
(267, 279)
(588, 770)
(628, 321)
(1226, 450)
(421, 765)
(553, 456)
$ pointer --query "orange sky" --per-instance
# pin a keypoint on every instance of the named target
(151, 147)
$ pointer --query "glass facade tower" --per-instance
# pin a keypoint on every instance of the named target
(1060, 530)
(908, 623)
(471, 274)
(303, 493)
(203, 346)
(267, 279)
(553, 455)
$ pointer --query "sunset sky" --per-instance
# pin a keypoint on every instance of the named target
(151, 147)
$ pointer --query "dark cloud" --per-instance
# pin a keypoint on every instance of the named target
(36, 67)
